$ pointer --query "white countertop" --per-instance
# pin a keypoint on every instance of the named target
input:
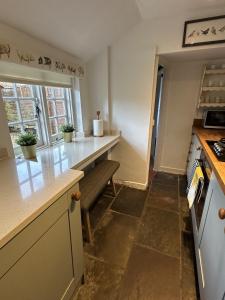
(28, 187)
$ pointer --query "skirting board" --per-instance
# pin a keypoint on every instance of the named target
(131, 184)
(172, 170)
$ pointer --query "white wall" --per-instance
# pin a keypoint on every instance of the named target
(179, 101)
(131, 85)
(97, 71)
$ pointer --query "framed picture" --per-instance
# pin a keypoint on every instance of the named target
(204, 31)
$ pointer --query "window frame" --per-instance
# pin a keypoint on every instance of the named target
(39, 98)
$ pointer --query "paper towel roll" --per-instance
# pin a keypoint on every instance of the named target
(98, 127)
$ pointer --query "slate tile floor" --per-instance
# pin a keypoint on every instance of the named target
(143, 245)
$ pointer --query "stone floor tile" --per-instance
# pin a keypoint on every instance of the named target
(130, 201)
(102, 281)
(163, 196)
(166, 179)
(98, 210)
(188, 285)
(182, 185)
(159, 229)
(113, 238)
(187, 250)
(151, 276)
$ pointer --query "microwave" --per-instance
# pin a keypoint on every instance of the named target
(214, 119)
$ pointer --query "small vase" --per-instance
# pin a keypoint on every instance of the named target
(29, 151)
(67, 137)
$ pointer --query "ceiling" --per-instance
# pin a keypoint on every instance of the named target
(85, 27)
(80, 27)
(150, 9)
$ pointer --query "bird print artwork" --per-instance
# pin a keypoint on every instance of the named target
(222, 29)
(213, 30)
(205, 32)
(191, 34)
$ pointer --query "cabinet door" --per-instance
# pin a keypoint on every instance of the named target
(76, 235)
(45, 272)
(212, 248)
(194, 153)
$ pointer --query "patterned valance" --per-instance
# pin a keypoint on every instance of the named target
(12, 54)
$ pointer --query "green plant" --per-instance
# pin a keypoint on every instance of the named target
(67, 128)
(27, 139)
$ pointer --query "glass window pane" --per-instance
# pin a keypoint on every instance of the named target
(31, 127)
(15, 131)
(61, 121)
(60, 107)
(11, 110)
(27, 109)
(53, 126)
(49, 92)
(8, 90)
(51, 108)
(58, 92)
(24, 90)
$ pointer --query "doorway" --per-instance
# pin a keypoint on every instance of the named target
(155, 129)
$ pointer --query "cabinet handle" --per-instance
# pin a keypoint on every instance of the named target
(221, 213)
(199, 148)
(76, 196)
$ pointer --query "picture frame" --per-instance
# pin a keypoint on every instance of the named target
(204, 31)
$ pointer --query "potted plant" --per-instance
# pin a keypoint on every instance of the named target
(27, 142)
(67, 131)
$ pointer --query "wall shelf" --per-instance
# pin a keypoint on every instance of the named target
(215, 72)
(202, 104)
(212, 88)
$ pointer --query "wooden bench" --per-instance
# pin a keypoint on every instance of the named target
(92, 185)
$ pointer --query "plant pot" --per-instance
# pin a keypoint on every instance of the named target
(29, 151)
(67, 137)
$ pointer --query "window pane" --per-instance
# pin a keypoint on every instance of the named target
(24, 90)
(27, 109)
(58, 93)
(60, 107)
(31, 127)
(8, 90)
(53, 126)
(61, 121)
(11, 111)
(49, 92)
(51, 108)
(15, 131)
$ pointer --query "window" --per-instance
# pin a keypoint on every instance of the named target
(37, 109)
(58, 105)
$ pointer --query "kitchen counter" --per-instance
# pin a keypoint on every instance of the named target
(28, 187)
(217, 166)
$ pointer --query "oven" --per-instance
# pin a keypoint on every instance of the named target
(202, 188)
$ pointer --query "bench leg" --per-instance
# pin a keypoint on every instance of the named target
(87, 225)
(113, 186)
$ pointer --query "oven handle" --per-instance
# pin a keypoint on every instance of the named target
(198, 196)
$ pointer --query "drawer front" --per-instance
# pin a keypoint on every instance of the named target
(21, 243)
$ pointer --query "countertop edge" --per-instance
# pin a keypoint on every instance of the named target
(214, 163)
(23, 224)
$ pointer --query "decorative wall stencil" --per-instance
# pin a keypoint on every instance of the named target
(4, 49)
(80, 71)
(45, 61)
(9, 53)
(204, 31)
(60, 66)
(72, 69)
(25, 57)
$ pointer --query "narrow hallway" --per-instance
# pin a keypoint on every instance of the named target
(143, 247)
